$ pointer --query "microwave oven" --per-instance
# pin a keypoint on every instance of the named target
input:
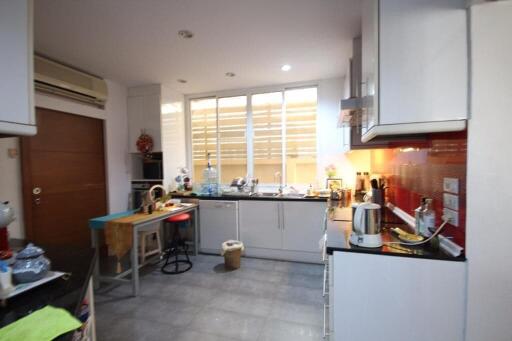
(152, 168)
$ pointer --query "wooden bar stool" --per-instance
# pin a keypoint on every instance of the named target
(143, 253)
(177, 246)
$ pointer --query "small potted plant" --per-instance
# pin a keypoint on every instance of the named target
(330, 171)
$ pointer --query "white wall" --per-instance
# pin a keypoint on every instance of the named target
(116, 152)
(489, 314)
(330, 137)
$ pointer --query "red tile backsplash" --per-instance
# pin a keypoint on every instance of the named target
(414, 172)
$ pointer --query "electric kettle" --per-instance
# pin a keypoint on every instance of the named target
(366, 225)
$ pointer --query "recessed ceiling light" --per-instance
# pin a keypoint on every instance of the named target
(230, 74)
(286, 67)
(182, 81)
(185, 34)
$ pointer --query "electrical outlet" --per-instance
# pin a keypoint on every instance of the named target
(452, 215)
(451, 201)
(451, 185)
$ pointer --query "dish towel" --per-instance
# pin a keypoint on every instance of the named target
(42, 325)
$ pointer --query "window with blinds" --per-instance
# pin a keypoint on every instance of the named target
(279, 121)
(232, 127)
(203, 113)
(300, 127)
(267, 121)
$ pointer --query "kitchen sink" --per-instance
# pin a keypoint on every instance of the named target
(265, 194)
(236, 194)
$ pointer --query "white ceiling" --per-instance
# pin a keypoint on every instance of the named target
(136, 42)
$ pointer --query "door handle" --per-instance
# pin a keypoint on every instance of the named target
(36, 193)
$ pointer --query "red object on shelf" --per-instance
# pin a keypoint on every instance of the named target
(144, 143)
(5, 250)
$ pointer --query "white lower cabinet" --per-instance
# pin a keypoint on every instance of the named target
(302, 224)
(389, 298)
(281, 229)
(260, 224)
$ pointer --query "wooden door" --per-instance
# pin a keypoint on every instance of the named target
(64, 162)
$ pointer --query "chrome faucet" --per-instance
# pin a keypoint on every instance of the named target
(279, 176)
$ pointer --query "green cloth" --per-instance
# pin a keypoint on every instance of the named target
(42, 325)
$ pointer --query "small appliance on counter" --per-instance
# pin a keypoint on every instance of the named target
(366, 225)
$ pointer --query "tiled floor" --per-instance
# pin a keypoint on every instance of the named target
(263, 300)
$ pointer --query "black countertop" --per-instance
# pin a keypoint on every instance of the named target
(338, 235)
(67, 294)
(245, 197)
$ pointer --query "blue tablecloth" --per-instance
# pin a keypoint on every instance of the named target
(99, 222)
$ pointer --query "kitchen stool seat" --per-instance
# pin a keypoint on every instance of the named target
(177, 246)
(178, 218)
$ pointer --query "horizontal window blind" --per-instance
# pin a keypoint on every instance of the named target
(203, 114)
(232, 127)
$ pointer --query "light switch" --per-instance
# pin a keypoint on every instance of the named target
(451, 185)
(451, 201)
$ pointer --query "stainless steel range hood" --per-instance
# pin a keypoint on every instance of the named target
(354, 102)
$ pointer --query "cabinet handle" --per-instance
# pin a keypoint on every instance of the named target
(282, 216)
(326, 333)
(324, 291)
(278, 215)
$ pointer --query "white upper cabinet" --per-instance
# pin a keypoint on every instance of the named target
(16, 67)
(415, 66)
(144, 114)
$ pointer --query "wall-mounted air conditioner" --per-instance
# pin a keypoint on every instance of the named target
(58, 79)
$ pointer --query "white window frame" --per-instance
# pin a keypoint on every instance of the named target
(249, 92)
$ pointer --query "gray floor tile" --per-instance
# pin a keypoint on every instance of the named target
(127, 329)
(311, 314)
(228, 324)
(190, 335)
(299, 268)
(277, 330)
(243, 303)
(242, 286)
(203, 280)
(257, 263)
(302, 280)
(171, 313)
(301, 295)
(259, 275)
(189, 294)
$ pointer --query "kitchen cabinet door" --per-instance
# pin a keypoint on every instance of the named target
(423, 61)
(260, 224)
(144, 114)
(17, 116)
(370, 64)
(302, 225)
(426, 296)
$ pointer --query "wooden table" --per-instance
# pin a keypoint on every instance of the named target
(98, 224)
